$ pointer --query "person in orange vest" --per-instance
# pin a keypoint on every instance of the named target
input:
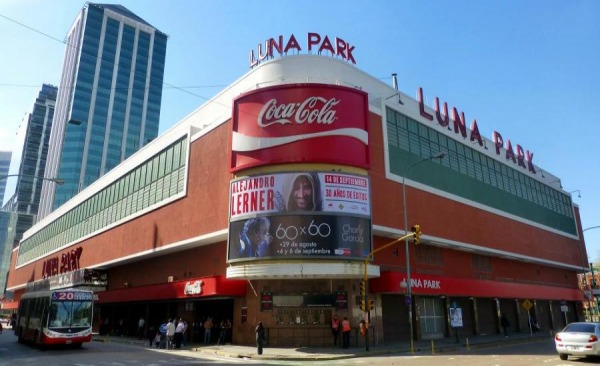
(346, 332)
(335, 329)
(363, 327)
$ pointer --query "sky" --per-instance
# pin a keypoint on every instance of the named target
(527, 69)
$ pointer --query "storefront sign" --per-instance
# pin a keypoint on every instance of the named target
(266, 301)
(341, 301)
(300, 123)
(456, 320)
(193, 287)
(519, 156)
(314, 43)
(299, 236)
(429, 285)
(294, 192)
(69, 261)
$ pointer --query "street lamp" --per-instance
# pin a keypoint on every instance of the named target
(55, 180)
(408, 284)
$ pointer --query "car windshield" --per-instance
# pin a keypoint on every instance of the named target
(580, 328)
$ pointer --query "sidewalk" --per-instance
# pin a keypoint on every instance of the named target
(336, 353)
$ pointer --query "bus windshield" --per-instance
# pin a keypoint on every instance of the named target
(70, 313)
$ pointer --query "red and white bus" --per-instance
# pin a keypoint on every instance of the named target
(55, 317)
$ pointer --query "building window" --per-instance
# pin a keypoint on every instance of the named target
(125, 198)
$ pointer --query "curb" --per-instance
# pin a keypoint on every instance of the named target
(445, 348)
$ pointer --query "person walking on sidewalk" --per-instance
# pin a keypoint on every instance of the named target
(335, 329)
(346, 333)
(260, 337)
(504, 323)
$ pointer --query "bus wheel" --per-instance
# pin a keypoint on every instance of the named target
(20, 336)
(76, 345)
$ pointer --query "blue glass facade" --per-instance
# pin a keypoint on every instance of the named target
(114, 108)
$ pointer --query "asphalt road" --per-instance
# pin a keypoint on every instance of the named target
(120, 354)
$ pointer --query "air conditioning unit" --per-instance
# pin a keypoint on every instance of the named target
(170, 278)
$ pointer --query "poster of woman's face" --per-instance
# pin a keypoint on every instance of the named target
(301, 192)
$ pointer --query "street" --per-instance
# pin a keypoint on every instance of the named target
(117, 354)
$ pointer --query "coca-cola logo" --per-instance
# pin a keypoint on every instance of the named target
(312, 110)
(193, 288)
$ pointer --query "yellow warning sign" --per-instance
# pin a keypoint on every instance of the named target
(526, 304)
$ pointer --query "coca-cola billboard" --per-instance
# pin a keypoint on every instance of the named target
(300, 123)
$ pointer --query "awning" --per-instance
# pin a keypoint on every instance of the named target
(390, 282)
(193, 288)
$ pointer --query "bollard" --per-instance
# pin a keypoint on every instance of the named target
(468, 346)
(432, 347)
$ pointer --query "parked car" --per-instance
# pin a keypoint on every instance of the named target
(578, 339)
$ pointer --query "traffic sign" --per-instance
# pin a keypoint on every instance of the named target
(527, 305)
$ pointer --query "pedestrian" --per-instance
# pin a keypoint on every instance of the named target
(208, 325)
(228, 329)
(158, 339)
(346, 332)
(170, 333)
(140, 328)
(505, 324)
(184, 339)
(178, 336)
(162, 329)
(335, 329)
(260, 337)
(150, 335)
(222, 332)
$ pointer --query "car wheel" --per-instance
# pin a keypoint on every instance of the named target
(563, 356)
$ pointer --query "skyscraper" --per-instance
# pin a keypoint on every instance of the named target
(27, 168)
(29, 156)
(108, 106)
(4, 164)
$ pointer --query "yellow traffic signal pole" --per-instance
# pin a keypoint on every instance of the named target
(415, 235)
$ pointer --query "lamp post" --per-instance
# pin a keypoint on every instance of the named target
(596, 306)
(55, 180)
(406, 244)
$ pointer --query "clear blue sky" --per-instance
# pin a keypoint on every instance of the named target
(528, 69)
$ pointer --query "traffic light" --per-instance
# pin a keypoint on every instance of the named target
(371, 304)
(416, 229)
(363, 305)
(363, 288)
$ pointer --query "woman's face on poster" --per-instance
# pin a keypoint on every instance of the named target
(302, 193)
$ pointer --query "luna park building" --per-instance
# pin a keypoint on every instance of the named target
(266, 202)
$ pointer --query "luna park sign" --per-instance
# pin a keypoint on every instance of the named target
(314, 43)
(67, 262)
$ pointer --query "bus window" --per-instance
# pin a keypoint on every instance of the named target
(57, 315)
(82, 314)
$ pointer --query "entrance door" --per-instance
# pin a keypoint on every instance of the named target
(431, 313)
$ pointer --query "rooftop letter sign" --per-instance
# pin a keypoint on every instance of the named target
(314, 43)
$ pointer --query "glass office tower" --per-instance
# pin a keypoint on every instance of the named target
(108, 106)
(4, 164)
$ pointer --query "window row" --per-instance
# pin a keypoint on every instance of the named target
(409, 135)
(152, 182)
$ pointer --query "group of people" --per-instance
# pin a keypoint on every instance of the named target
(344, 327)
(170, 335)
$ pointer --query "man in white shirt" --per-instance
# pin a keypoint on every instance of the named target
(140, 329)
(179, 329)
(170, 333)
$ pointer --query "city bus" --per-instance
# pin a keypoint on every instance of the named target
(54, 317)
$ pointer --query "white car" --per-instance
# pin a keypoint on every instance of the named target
(578, 339)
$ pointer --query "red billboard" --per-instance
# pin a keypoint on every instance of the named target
(300, 123)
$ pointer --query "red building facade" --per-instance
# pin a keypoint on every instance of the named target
(210, 219)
